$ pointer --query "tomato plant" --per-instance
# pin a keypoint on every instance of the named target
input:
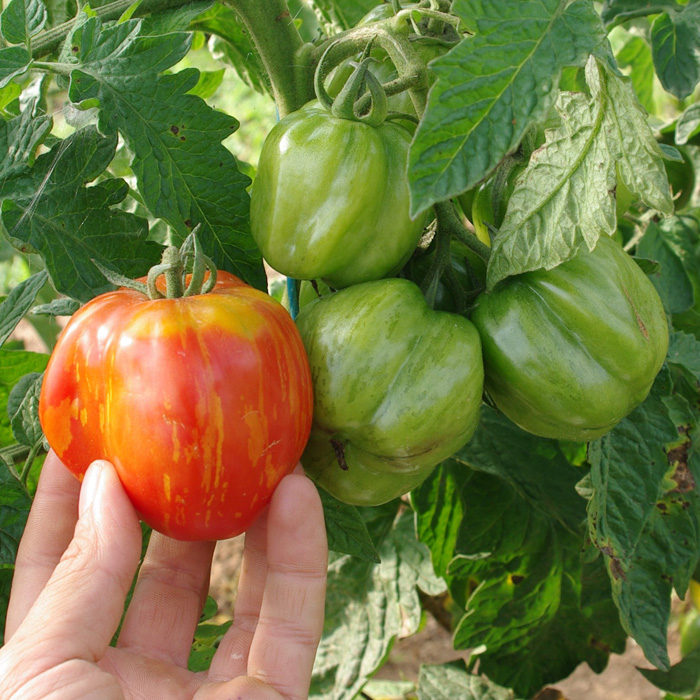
(540, 183)
(202, 402)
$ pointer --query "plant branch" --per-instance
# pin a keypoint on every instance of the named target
(47, 42)
(448, 218)
(286, 58)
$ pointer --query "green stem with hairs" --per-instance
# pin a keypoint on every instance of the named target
(281, 48)
(449, 219)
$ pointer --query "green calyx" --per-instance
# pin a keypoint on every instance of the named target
(174, 265)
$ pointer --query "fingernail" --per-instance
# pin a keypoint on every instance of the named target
(90, 487)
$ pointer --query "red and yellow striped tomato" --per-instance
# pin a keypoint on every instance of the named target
(203, 403)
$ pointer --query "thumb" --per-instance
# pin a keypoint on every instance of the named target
(78, 611)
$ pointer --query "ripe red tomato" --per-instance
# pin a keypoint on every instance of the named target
(203, 403)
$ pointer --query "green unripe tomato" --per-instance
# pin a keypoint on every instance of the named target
(397, 389)
(490, 204)
(690, 632)
(569, 352)
(331, 199)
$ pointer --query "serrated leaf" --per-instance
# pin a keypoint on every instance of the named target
(232, 44)
(369, 605)
(451, 681)
(50, 210)
(185, 176)
(683, 678)
(644, 516)
(491, 87)
(22, 19)
(565, 198)
(688, 124)
(18, 303)
(14, 364)
(14, 61)
(346, 530)
(675, 45)
(19, 139)
(23, 409)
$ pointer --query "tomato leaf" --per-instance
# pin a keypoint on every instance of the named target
(369, 605)
(511, 562)
(50, 211)
(19, 139)
(346, 530)
(675, 45)
(22, 19)
(688, 124)
(344, 13)
(18, 302)
(636, 55)
(547, 222)
(616, 11)
(14, 364)
(644, 516)
(14, 61)
(451, 681)
(486, 97)
(684, 352)
(669, 243)
(683, 678)
(185, 175)
(23, 409)
(233, 45)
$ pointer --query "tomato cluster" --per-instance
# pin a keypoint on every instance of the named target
(565, 353)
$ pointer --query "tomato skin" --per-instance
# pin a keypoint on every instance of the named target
(397, 386)
(569, 352)
(331, 200)
(202, 403)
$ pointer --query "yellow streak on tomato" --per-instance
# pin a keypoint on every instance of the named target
(166, 486)
(176, 444)
(83, 416)
(101, 413)
(58, 420)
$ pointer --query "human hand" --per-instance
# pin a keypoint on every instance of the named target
(73, 573)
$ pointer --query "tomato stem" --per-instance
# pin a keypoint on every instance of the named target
(174, 266)
(391, 36)
(448, 218)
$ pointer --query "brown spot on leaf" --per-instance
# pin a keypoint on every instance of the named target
(616, 569)
(188, 223)
(174, 129)
(516, 579)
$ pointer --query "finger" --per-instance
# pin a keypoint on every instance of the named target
(168, 599)
(291, 616)
(231, 658)
(47, 534)
(77, 613)
(241, 687)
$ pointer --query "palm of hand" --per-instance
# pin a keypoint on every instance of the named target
(69, 591)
